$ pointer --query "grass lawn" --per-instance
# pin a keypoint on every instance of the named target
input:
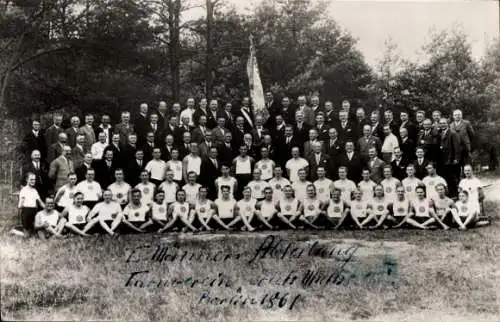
(399, 275)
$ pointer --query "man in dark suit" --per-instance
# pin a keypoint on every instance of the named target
(166, 149)
(315, 105)
(246, 113)
(301, 130)
(278, 132)
(201, 111)
(238, 132)
(55, 149)
(408, 124)
(333, 146)
(162, 116)
(285, 145)
(287, 111)
(34, 140)
(259, 131)
(141, 123)
(81, 170)
(273, 107)
(428, 139)
(184, 146)
(227, 151)
(79, 151)
(406, 145)
(155, 127)
(367, 141)
(346, 129)
(376, 165)
(41, 171)
(331, 118)
(399, 164)
(213, 114)
(466, 136)
(210, 167)
(73, 131)
(318, 159)
(199, 132)
(229, 116)
(147, 147)
(52, 132)
(105, 127)
(306, 110)
(105, 169)
(420, 163)
(449, 157)
(171, 127)
(376, 128)
(205, 146)
(184, 127)
(352, 161)
(321, 127)
(134, 168)
(389, 120)
(361, 120)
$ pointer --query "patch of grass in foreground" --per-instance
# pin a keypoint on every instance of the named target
(85, 278)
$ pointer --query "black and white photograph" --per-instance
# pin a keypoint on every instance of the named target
(260, 160)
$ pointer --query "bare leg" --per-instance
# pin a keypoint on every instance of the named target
(416, 224)
(220, 222)
(286, 221)
(75, 230)
(129, 224)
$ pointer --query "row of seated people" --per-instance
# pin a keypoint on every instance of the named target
(322, 204)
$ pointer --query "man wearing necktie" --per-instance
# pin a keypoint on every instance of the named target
(39, 168)
(210, 167)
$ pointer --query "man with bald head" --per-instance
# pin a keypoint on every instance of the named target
(318, 159)
(465, 133)
(306, 110)
(162, 115)
(141, 123)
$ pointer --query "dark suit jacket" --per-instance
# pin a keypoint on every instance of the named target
(128, 153)
(238, 138)
(204, 148)
(257, 139)
(133, 171)
(335, 150)
(360, 124)
(449, 148)
(81, 171)
(408, 149)
(247, 125)
(349, 133)
(284, 151)
(197, 135)
(218, 134)
(105, 175)
(465, 134)
(179, 132)
(197, 113)
(109, 132)
(430, 143)
(70, 132)
(313, 166)
(323, 132)
(354, 166)
(77, 155)
(141, 126)
(30, 143)
(332, 118)
(183, 150)
(211, 120)
(378, 131)
(227, 154)
(54, 151)
(420, 171)
(288, 114)
(118, 159)
(52, 134)
(165, 153)
(377, 170)
(411, 128)
(208, 175)
(399, 170)
(363, 146)
(302, 134)
(42, 182)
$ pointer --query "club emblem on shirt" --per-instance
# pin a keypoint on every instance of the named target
(336, 209)
(463, 208)
(248, 208)
(136, 214)
(321, 190)
(257, 187)
(408, 189)
(79, 218)
(431, 183)
(161, 210)
(202, 209)
(401, 210)
(183, 209)
(113, 215)
(278, 186)
(421, 209)
(288, 207)
(359, 206)
(119, 195)
(311, 207)
(264, 166)
(380, 207)
(146, 190)
(388, 190)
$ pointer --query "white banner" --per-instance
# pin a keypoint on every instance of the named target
(255, 84)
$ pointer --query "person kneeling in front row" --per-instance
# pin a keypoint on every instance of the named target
(48, 222)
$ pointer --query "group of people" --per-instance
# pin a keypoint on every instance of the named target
(209, 167)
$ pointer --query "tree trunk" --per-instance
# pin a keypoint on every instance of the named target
(174, 11)
(210, 50)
